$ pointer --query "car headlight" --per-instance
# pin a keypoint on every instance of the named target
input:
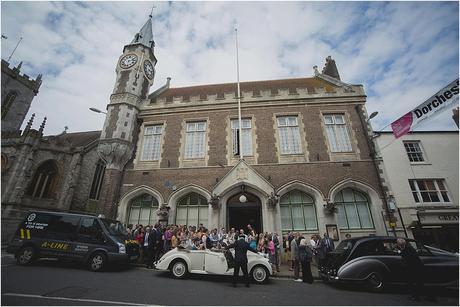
(121, 248)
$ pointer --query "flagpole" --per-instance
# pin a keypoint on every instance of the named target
(8, 60)
(240, 139)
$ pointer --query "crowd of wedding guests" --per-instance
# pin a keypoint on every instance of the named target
(156, 240)
(299, 251)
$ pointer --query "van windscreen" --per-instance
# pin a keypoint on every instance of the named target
(115, 228)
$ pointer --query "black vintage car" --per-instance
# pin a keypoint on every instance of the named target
(375, 261)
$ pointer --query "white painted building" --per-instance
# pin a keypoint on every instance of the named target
(421, 173)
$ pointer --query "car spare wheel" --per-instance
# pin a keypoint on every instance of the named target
(26, 255)
(259, 274)
(375, 282)
(179, 269)
(97, 262)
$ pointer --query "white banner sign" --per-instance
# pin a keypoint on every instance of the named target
(436, 103)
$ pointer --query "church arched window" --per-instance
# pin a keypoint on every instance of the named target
(7, 102)
(44, 182)
(97, 180)
(192, 210)
(142, 210)
(298, 211)
(353, 210)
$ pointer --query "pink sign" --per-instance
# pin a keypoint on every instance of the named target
(402, 125)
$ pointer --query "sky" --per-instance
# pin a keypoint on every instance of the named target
(401, 52)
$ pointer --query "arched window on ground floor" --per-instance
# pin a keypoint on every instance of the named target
(298, 212)
(142, 210)
(192, 210)
(353, 210)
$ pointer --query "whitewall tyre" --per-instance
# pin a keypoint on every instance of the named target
(179, 269)
(260, 274)
(375, 282)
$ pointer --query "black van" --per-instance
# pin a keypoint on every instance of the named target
(90, 239)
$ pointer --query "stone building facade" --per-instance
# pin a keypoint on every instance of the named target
(18, 91)
(59, 173)
(421, 173)
(306, 162)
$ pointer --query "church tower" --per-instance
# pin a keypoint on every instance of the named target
(135, 72)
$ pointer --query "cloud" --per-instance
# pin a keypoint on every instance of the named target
(402, 52)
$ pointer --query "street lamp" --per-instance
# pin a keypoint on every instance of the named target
(97, 110)
(374, 114)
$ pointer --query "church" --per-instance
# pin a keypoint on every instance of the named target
(298, 159)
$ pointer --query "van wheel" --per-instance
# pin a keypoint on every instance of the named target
(97, 262)
(179, 269)
(375, 282)
(259, 274)
(26, 255)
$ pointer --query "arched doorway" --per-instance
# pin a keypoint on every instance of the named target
(240, 214)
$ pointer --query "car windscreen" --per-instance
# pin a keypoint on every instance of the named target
(345, 246)
(115, 228)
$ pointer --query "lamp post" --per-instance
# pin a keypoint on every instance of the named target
(97, 110)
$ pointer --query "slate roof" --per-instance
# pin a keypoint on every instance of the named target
(77, 139)
(254, 86)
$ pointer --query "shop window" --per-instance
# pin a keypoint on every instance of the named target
(195, 140)
(353, 210)
(98, 177)
(337, 134)
(429, 191)
(414, 151)
(7, 102)
(44, 182)
(289, 134)
(192, 210)
(298, 212)
(142, 210)
(246, 135)
(152, 143)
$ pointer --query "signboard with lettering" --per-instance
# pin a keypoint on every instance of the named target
(436, 218)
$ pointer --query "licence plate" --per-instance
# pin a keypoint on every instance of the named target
(132, 257)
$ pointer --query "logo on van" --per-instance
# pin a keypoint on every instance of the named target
(54, 245)
(31, 217)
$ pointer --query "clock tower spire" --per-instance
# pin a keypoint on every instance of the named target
(135, 73)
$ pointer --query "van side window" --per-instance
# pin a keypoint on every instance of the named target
(90, 231)
(61, 227)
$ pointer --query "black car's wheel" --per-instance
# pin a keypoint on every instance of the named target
(26, 255)
(260, 274)
(375, 282)
(179, 269)
(97, 262)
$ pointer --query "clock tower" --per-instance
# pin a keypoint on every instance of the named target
(135, 72)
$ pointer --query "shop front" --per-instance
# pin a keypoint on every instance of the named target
(438, 228)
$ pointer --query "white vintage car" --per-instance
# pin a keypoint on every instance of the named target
(181, 261)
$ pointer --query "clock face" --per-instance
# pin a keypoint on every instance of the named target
(148, 69)
(128, 60)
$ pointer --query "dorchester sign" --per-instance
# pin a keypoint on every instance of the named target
(435, 104)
